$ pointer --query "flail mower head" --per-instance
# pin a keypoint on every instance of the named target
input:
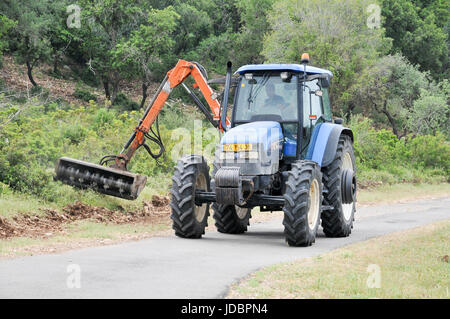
(106, 180)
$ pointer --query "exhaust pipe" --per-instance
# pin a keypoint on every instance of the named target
(223, 119)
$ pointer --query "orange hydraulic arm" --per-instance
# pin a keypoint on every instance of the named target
(173, 78)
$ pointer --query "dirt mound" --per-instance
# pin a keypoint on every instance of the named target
(160, 201)
(52, 221)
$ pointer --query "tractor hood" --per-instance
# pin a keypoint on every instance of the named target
(253, 147)
(268, 134)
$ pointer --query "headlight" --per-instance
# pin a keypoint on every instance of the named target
(249, 155)
(227, 156)
(238, 155)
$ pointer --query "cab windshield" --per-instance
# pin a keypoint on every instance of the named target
(266, 96)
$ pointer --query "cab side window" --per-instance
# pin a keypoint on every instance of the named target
(312, 110)
(326, 105)
(312, 104)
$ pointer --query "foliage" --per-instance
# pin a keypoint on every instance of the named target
(431, 112)
(6, 24)
(110, 22)
(140, 54)
(34, 21)
(334, 33)
(140, 40)
(387, 90)
(381, 155)
(84, 94)
(125, 103)
(417, 30)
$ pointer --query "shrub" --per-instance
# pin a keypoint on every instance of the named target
(428, 151)
(84, 94)
(125, 103)
(75, 133)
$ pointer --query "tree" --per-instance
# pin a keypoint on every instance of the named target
(431, 112)
(31, 43)
(388, 90)
(417, 30)
(106, 24)
(193, 26)
(60, 36)
(334, 33)
(142, 52)
(255, 25)
(5, 25)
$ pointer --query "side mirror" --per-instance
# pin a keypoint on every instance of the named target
(325, 82)
(338, 121)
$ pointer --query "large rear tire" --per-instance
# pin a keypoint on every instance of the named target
(303, 203)
(339, 221)
(191, 174)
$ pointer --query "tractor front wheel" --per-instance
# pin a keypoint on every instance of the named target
(189, 219)
(231, 219)
(303, 203)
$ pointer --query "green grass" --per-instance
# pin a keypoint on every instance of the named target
(12, 204)
(411, 266)
(398, 192)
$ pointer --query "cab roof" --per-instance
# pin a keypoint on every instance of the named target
(297, 68)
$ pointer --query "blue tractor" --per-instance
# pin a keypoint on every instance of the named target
(280, 151)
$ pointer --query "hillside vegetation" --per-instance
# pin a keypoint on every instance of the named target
(395, 99)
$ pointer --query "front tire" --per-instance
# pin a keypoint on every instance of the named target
(191, 174)
(339, 221)
(231, 219)
(303, 203)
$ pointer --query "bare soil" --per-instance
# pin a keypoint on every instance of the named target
(15, 78)
(54, 222)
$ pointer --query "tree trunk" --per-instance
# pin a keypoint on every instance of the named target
(30, 73)
(55, 64)
(106, 87)
(349, 111)
(115, 91)
(391, 120)
(144, 95)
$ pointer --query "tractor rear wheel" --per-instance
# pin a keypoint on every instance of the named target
(231, 219)
(303, 203)
(338, 222)
(189, 219)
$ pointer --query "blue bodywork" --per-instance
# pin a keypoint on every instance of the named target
(261, 132)
(322, 146)
(324, 140)
(297, 68)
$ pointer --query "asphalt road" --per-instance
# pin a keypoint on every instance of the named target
(169, 267)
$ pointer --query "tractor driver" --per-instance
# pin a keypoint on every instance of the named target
(275, 104)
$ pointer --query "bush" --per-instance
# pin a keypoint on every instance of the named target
(75, 133)
(381, 157)
(125, 103)
(84, 94)
(428, 151)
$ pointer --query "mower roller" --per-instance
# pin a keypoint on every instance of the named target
(106, 180)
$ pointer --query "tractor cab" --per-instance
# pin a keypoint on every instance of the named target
(285, 94)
